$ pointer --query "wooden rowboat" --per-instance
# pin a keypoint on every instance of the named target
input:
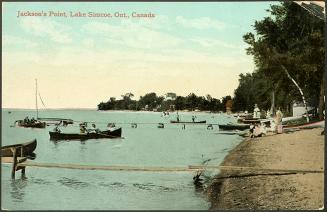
(234, 126)
(27, 149)
(36, 124)
(249, 121)
(188, 122)
(84, 136)
(316, 124)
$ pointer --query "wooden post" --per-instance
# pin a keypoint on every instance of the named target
(13, 170)
(23, 171)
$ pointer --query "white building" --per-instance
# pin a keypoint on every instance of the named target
(299, 109)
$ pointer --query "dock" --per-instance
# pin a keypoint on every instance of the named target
(21, 163)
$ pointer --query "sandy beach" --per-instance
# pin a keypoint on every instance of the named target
(301, 150)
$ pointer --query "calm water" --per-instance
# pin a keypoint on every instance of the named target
(146, 145)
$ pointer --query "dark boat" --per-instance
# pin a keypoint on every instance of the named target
(28, 149)
(188, 122)
(36, 124)
(161, 125)
(234, 126)
(249, 121)
(84, 136)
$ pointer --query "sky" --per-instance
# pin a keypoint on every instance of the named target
(81, 61)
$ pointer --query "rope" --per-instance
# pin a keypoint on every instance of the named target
(42, 101)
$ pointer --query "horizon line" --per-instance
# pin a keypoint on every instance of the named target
(59, 108)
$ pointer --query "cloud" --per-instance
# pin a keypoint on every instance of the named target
(10, 40)
(208, 42)
(200, 23)
(41, 27)
(133, 35)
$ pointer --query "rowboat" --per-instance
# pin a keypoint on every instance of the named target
(188, 122)
(316, 124)
(27, 149)
(249, 121)
(36, 124)
(57, 121)
(242, 134)
(234, 126)
(84, 136)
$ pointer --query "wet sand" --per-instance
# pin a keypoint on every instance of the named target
(301, 150)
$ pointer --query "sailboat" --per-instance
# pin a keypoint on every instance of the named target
(32, 123)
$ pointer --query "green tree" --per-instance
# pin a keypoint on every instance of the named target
(287, 48)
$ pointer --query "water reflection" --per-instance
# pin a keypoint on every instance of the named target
(73, 183)
(18, 189)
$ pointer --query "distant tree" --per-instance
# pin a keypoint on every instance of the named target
(171, 95)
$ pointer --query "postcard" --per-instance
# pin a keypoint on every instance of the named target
(162, 105)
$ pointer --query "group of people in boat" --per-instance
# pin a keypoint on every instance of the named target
(83, 128)
(29, 121)
(164, 113)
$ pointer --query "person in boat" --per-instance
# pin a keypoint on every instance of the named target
(64, 123)
(33, 120)
(111, 126)
(82, 128)
(56, 129)
(26, 120)
(94, 129)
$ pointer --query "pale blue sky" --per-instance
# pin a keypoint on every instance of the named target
(188, 47)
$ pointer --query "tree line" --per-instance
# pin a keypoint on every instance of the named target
(170, 101)
(288, 49)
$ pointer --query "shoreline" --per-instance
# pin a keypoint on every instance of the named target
(301, 150)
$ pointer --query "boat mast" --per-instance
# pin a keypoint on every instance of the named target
(37, 111)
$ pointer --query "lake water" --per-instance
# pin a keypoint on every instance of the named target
(147, 145)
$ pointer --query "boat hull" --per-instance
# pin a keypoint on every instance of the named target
(234, 127)
(21, 123)
(317, 124)
(80, 136)
(188, 122)
(28, 149)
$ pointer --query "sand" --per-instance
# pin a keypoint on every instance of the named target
(301, 150)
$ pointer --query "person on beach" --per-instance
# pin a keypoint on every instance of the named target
(251, 130)
(279, 117)
(259, 130)
(256, 112)
(177, 117)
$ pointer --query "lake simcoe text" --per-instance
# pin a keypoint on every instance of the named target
(79, 14)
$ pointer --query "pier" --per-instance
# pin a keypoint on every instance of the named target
(20, 163)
